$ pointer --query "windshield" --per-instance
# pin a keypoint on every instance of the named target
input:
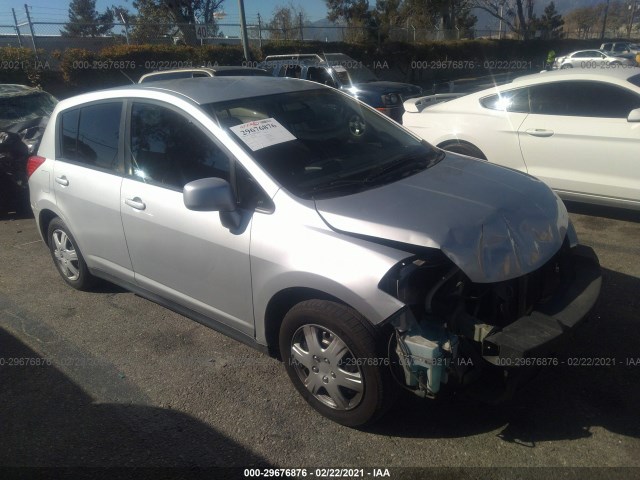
(21, 108)
(321, 143)
(635, 80)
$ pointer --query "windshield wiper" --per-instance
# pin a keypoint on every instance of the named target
(335, 185)
(409, 162)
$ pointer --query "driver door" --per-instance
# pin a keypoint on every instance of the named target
(185, 256)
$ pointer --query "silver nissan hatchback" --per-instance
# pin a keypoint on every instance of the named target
(298, 220)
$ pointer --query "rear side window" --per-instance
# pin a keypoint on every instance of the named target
(583, 99)
(90, 135)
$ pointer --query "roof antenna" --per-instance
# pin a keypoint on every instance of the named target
(128, 77)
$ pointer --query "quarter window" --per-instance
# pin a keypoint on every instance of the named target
(168, 149)
(90, 135)
(510, 101)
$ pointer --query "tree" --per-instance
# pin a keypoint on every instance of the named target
(361, 22)
(517, 15)
(582, 21)
(175, 17)
(551, 22)
(285, 23)
(348, 11)
(85, 21)
(588, 21)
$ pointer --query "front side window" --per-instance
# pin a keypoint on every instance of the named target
(583, 99)
(321, 143)
(168, 149)
(90, 135)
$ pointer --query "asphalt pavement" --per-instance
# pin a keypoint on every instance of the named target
(108, 379)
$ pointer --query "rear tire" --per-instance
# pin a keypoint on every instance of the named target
(67, 256)
(336, 362)
(564, 67)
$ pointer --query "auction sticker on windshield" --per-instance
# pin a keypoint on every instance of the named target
(262, 133)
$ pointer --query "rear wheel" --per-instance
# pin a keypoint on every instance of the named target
(67, 256)
(333, 359)
(463, 148)
(565, 66)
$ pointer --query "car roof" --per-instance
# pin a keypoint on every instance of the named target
(605, 74)
(219, 89)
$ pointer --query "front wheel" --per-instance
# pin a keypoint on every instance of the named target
(67, 257)
(332, 358)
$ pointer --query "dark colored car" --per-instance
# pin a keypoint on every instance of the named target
(344, 73)
(24, 113)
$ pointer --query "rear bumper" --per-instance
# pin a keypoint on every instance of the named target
(540, 333)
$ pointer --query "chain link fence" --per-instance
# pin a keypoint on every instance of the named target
(51, 36)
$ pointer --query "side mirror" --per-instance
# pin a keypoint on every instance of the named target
(634, 115)
(213, 195)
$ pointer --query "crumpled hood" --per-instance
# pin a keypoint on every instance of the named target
(494, 223)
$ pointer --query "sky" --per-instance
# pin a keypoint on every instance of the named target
(57, 10)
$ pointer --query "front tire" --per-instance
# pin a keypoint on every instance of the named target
(335, 362)
(67, 256)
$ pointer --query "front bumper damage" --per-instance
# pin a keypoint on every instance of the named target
(540, 333)
(462, 350)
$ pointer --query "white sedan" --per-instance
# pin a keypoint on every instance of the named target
(577, 130)
(593, 59)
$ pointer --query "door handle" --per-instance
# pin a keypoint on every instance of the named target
(62, 181)
(539, 132)
(135, 203)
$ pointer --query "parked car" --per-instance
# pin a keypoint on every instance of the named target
(593, 59)
(577, 130)
(300, 221)
(218, 71)
(24, 112)
(620, 47)
(340, 71)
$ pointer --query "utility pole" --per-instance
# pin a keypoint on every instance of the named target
(300, 23)
(33, 36)
(604, 20)
(243, 31)
(260, 31)
(126, 27)
(15, 21)
(633, 7)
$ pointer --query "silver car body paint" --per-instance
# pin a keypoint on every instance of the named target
(293, 247)
(493, 223)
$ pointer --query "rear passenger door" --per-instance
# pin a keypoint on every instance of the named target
(187, 257)
(87, 179)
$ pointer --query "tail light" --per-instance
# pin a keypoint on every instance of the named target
(33, 163)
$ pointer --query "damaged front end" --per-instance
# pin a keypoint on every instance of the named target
(455, 332)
